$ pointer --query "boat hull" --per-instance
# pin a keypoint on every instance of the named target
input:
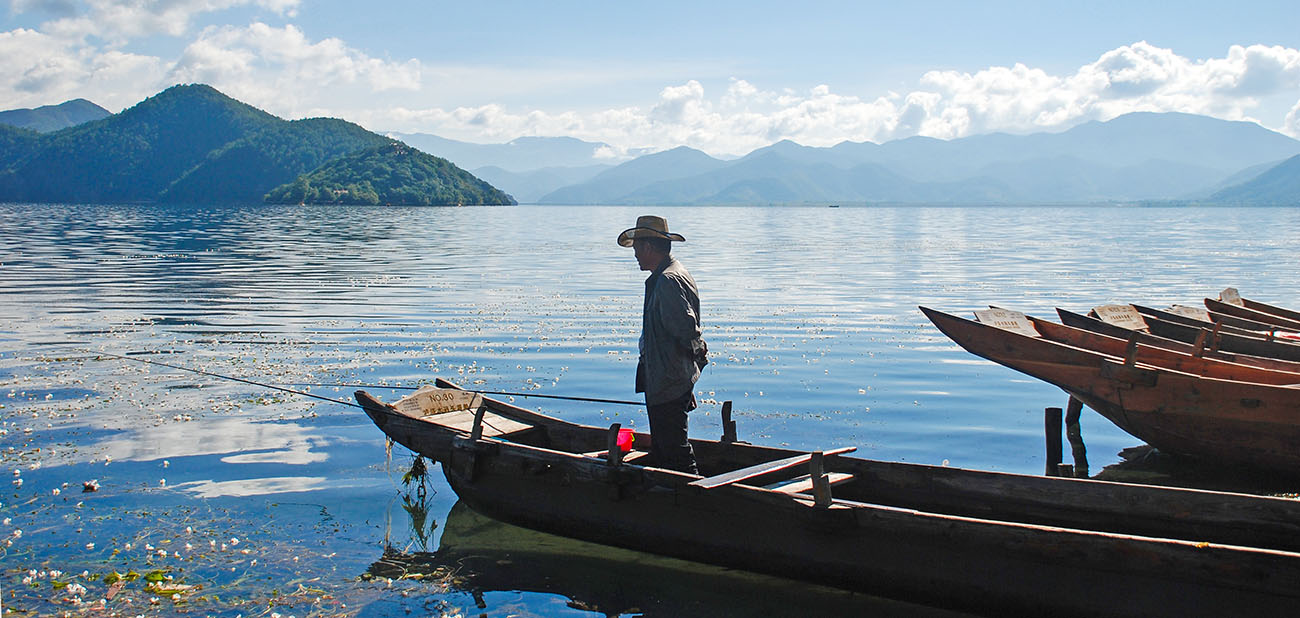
(955, 561)
(1228, 420)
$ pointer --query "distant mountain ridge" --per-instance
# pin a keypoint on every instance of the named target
(191, 143)
(1278, 186)
(1140, 156)
(49, 118)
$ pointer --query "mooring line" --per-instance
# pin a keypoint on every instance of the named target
(225, 377)
(280, 387)
(472, 390)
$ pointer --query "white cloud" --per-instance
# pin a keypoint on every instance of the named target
(41, 69)
(282, 70)
(118, 21)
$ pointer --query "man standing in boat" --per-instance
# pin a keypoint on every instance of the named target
(672, 352)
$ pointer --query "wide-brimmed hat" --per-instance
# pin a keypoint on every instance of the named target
(648, 226)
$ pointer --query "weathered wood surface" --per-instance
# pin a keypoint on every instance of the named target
(1226, 324)
(1094, 325)
(757, 470)
(1290, 314)
(1185, 361)
(1262, 317)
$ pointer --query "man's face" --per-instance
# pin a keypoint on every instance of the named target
(646, 257)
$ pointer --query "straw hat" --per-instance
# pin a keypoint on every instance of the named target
(648, 226)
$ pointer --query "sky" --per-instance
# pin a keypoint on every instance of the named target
(723, 77)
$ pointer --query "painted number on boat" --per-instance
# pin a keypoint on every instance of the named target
(1005, 319)
(1120, 315)
(432, 400)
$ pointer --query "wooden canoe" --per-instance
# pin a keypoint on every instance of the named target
(1221, 339)
(964, 539)
(1289, 314)
(1227, 420)
(1271, 321)
(1207, 348)
(1185, 361)
(1227, 323)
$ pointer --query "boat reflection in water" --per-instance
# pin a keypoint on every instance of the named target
(479, 555)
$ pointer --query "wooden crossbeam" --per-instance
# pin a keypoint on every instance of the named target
(736, 476)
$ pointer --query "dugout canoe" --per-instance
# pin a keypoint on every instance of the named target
(1220, 338)
(1140, 351)
(1231, 295)
(1210, 418)
(964, 539)
(1207, 347)
(1271, 321)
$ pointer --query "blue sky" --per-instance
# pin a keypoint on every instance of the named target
(724, 77)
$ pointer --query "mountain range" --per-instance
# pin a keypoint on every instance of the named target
(1136, 157)
(193, 144)
(241, 153)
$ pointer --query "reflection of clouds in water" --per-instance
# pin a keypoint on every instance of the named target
(292, 456)
(253, 487)
(257, 442)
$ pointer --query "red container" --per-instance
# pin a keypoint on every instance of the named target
(625, 439)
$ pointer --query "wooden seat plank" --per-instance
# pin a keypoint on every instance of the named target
(736, 476)
(804, 484)
(494, 425)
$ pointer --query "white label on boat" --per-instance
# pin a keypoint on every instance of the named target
(1120, 315)
(433, 400)
(1191, 312)
(1230, 296)
(1005, 319)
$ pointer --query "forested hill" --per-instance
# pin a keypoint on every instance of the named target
(390, 174)
(187, 144)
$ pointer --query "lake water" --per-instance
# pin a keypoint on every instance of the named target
(258, 502)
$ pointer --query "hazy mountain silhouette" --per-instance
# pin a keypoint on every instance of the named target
(49, 118)
(1140, 156)
(1278, 186)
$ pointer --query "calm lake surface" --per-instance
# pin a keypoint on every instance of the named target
(244, 500)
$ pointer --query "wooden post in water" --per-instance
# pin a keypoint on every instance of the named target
(1052, 425)
(728, 425)
(1075, 435)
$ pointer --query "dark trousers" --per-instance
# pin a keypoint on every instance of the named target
(669, 447)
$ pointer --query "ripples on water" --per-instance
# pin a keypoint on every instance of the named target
(810, 314)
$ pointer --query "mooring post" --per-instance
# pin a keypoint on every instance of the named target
(613, 454)
(728, 425)
(1052, 425)
(821, 484)
(1075, 435)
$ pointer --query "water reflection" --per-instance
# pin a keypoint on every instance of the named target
(810, 315)
(238, 440)
(481, 556)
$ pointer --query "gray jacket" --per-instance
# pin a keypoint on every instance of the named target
(670, 334)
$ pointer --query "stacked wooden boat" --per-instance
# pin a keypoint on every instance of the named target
(1004, 544)
(1221, 383)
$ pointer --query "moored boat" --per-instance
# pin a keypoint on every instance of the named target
(956, 538)
(1275, 322)
(1207, 348)
(1213, 337)
(1229, 420)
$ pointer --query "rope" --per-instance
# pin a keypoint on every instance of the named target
(225, 377)
(283, 387)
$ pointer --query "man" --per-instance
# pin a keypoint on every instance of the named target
(672, 352)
